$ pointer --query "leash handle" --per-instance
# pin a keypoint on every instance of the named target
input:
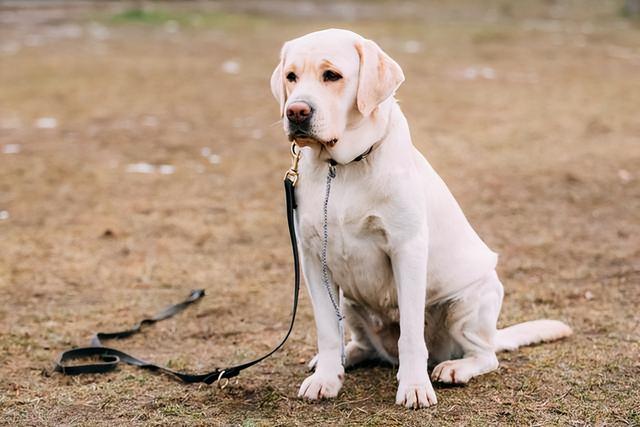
(110, 358)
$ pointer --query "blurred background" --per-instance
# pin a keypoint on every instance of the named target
(141, 156)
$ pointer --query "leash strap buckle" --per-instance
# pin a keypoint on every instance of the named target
(222, 382)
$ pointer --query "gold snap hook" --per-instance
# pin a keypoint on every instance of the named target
(292, 173)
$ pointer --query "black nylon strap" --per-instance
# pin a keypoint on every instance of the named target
(111, 357)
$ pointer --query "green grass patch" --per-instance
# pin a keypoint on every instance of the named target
(142, 16)
(185, 18)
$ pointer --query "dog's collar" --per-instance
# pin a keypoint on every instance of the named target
(357, 159)
(370, 149)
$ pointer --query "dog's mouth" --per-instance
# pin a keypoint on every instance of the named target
(304, 139)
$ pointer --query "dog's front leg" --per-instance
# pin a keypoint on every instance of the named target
(409, 263)
(327, 379)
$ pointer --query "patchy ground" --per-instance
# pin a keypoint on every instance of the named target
(531, 115)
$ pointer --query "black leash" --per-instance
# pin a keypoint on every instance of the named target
(111, 357)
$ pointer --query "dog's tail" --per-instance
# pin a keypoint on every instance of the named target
(532, 332)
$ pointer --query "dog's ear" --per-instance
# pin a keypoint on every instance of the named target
(379, 76)
(277, 83)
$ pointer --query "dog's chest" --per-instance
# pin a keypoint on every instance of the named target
(356, 240)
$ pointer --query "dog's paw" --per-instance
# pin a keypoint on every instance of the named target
(416, 396)
(449, 372)
(321, 386)
(460, 371)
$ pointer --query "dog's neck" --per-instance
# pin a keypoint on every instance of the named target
(358, 142)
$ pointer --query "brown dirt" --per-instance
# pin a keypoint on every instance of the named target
(541, 148)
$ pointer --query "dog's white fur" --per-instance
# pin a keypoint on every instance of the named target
(414, 273)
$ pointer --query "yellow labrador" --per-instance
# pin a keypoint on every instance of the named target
(414, 273)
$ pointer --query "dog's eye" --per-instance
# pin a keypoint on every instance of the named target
(292, 77)
(330, 76)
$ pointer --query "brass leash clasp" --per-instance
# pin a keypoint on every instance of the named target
(292, 173)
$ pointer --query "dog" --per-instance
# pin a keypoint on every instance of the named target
(419, 285)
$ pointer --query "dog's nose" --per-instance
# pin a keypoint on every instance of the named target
(299, 111)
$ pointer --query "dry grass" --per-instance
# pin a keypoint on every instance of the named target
(543, 157)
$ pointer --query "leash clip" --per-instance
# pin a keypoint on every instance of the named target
(292, 173)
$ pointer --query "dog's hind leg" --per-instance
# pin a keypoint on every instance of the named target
(471, 321)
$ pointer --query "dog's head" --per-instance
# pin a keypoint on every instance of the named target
(330, 82)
